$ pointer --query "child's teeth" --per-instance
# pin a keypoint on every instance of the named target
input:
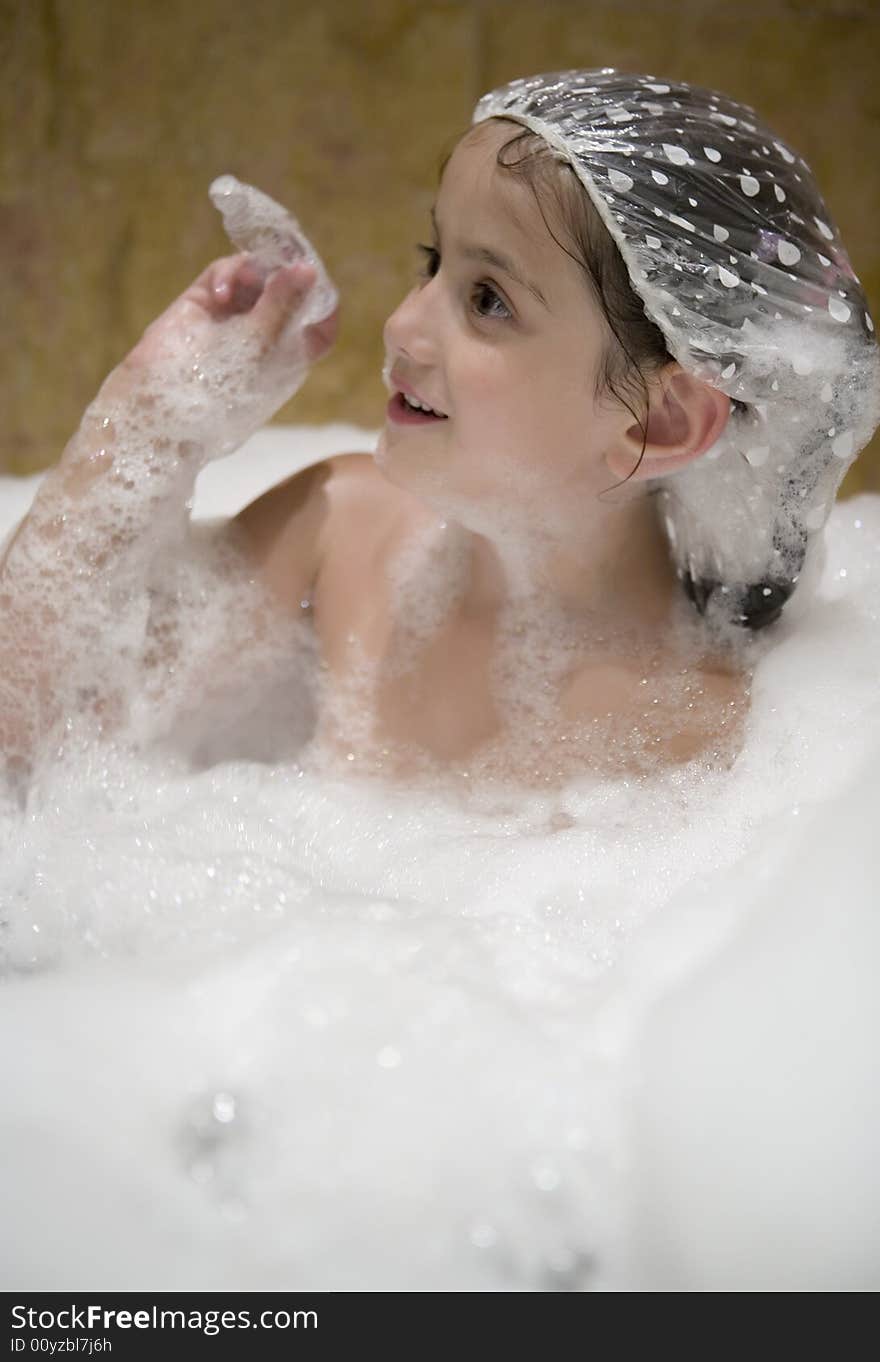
(419, 406)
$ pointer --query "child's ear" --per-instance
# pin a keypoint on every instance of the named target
(685, 417)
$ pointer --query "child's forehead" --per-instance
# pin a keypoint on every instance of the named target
(486, 210)
(499, 224)
(473, 181)
(479, 145)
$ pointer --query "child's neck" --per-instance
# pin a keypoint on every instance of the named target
(610, 566)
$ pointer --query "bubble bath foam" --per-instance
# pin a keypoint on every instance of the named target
(268, 1029)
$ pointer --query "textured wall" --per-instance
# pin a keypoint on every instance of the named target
(114, 118)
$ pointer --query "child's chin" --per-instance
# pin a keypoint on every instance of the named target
(389, 461)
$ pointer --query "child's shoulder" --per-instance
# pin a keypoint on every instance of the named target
(329, 486)
(352, 478)
(302, 521)
(676, 717)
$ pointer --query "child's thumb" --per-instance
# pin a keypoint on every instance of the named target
(285, 289)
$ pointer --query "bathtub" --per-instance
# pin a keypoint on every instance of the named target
(269, 1031)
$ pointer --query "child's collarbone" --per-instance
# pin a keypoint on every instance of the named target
(456, 686)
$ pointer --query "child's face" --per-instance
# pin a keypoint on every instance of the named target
(515, 376)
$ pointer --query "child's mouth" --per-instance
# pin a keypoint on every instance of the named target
(398, 410)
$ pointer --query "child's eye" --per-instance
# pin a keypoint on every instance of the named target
(487, 291)
(432, 264)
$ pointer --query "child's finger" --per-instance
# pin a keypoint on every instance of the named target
(236, 284)
(221, 280)
(320, 336)
(284, 291)
(212, 290)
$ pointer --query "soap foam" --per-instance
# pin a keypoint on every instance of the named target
(272, 236)
(338, 1033)
(109, 535)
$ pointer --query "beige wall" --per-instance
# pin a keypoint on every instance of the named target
(115, 117)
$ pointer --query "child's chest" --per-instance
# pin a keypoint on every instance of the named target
(409, 679)
(400, 668)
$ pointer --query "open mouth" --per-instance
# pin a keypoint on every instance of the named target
(404, 411)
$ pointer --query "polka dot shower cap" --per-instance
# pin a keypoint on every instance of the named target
(728, 243)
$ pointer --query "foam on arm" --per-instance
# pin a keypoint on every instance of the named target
(75, 578)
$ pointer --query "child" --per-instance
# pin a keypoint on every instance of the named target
(637, 361)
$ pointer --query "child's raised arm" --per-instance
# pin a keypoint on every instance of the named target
(74, 596)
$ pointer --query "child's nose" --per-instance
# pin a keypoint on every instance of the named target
(412, 327)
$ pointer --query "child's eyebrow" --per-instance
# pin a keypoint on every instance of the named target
(501, 262)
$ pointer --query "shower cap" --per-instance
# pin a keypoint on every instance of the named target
(729, 245)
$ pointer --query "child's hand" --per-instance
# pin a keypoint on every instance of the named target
(235, 284)
(228, 352)
(230, 287)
